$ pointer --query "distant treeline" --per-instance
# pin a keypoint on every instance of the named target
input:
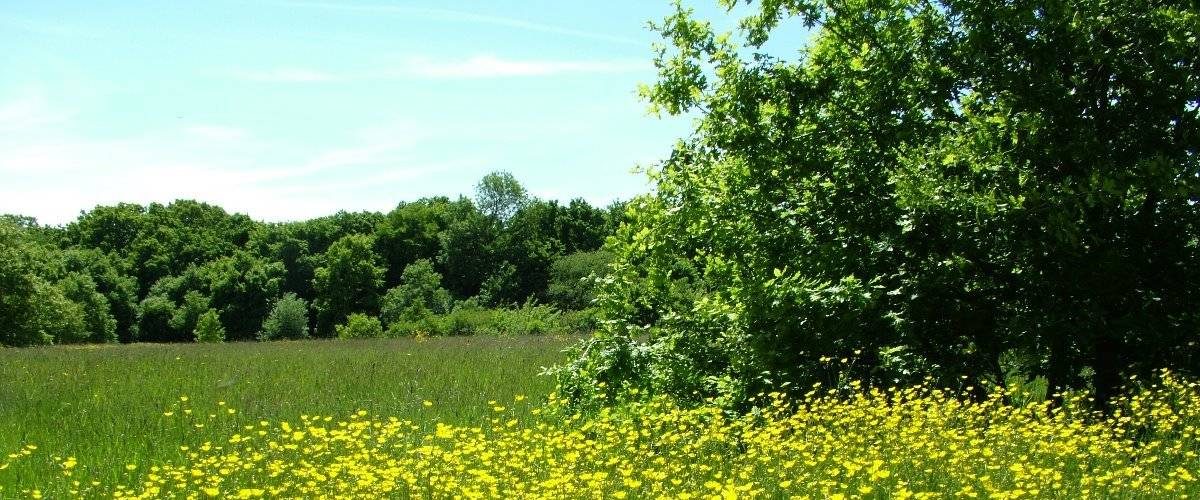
(155, 273)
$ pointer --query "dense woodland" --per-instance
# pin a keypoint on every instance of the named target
(192, 271)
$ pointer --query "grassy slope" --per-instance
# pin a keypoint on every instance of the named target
(104, 405)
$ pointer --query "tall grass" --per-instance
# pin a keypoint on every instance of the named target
(105, 405)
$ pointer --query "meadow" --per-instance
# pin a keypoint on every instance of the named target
(115, 406)
(469, 417)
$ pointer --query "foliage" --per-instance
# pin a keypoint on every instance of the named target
(360, 326)
(99, 324)
(33, 309)
(411, 232)
(155, 317)
(209, 328)
(187, 315)
(466, 255)
(418, 295)
(471, 318)
(243, 288)
(347, 282)
(120, 290)
(983, 187)
(500, 196)
(573, 278)
(288, 319)
(153, 269)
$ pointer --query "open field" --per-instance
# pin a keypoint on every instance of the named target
(468, 417)
(105, 405)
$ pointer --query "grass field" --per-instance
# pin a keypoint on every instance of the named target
(468, 417)
(105, 405)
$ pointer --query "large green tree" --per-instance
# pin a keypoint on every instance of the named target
(34, 309)
(347, 282)
(500, 195)
(954, 188)
(411, 232)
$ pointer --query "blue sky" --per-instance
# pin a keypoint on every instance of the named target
(292, 109)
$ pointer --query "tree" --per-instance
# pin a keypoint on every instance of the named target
(243, 288)
(418, 295)
(527, 246)
(118, 287)
(155, 321)
(466, 256)
(582, 227)
(968, 187)
(280, 243)
(187, 315)
(288, 319)
(347, 282)
(33, 309)
(500, 196)
(411, 232)
(99, 324)
(209, 329)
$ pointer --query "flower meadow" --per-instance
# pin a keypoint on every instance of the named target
(918, 442)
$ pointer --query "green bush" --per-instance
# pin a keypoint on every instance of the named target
(470, 318)
(287, 320)
(418, 295)
(209, 328)
(573, 278)
(360, 326)
(187, 315)
(427, 326)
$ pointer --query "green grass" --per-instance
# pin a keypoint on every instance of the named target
(104, 405)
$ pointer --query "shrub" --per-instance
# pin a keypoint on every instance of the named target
(360, 326)
(287, 320)
(209, 328)
(428, 326)
(469, 318)
(528, 320)
(572, 283)
(418, 295)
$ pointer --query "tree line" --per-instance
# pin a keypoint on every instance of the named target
(190, 270)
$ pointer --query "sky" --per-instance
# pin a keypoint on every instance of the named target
(291, 109)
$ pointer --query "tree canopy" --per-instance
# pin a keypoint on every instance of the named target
(130, 272)
(949, 188)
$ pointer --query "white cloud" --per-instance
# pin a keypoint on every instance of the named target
(473, 67)
(52, 174)
(216, 133)
(488, 66)
(288, 75)
(30, 110)
(464, 17)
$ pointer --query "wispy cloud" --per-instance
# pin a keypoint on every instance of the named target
(39, 27)
(465, 17)
(216, 133)
(473, 67)
(52, 173)
(27, 111)
(487, 66)
(288, 75)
